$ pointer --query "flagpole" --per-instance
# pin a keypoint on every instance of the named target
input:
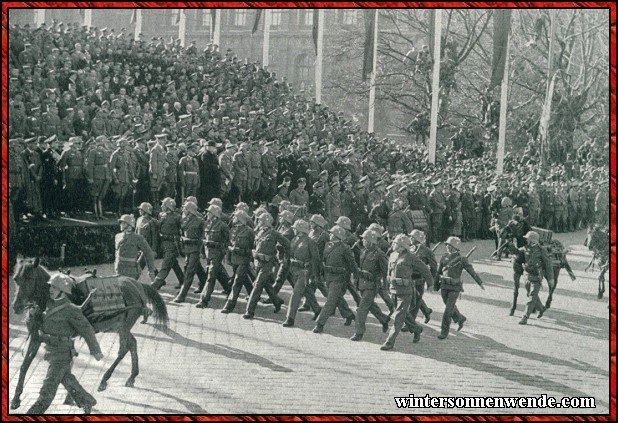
(372, 82)
(88, 18)
(503, 109)
(550, 70)
(138, 24)
(319, 57)
(182, 27)
(39, 17)
(216, 35)
(266, 41)
(435, 87)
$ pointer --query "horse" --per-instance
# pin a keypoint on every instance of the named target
(33, 293)
(597, 240)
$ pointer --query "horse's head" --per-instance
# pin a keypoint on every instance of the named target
(31, 280)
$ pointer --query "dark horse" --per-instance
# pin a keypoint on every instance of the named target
(33, 293)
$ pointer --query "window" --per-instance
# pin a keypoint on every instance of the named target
(239, 18)
(303, 68)
(305, 17)
(275, 18)
(349, 17)
(206, 18)
(175, 17)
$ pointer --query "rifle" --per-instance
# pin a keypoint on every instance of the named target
(435, 247)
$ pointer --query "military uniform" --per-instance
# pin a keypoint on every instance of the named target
(240, 165)
(284, 260)
(192, 232)
(448, 281)
(242, 239)
(169, 238)
(437, 204)
(264, 256)
(269, 175)
(404, 270)
(98, 172)
(122, 171)
(188, 171)
(426, 255)
(254, 172)
(338, 265)
(34, 169)
(304, 264)
(129, 245)
(62, 321)
(171, 174)
(148, 227)
(216, 240)
(373, 270)
(157, 167)
(398, 223)
(535, 262)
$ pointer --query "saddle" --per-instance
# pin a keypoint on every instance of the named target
(106, 298)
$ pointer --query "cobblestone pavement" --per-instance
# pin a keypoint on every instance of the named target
(208, 362)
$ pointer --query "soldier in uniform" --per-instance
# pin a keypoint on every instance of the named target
(98, 175)
(188, 172)
(157, 167)
(254, 172)
(169, 232)
(426, 255)
(72, 161)
(317, 201)
(50, 183)
(448, 280)
(227, 170)
(437, 205)
(240, 167)
(269, 173)
(121, 167)
(129, 245)
(533, 260)
(18, 173)
(404, 270)
(242, 240)
(216, 241)
(304, 264)
(171, 171)
(373, 268)
(339, 264)
(148, 227)
(192, 225)
(266, 241)
(286, 220)
(398, 222)
(298, 196)
(62, 321)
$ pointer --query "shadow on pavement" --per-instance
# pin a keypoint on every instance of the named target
(232, 353)
(192, 407)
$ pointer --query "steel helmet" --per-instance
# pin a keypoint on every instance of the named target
(169, 203)
(128, 219)
(242, 216)
(286, 216)
(191, 199)
(145, 207)
(259, 211)
(301, 226)
(216, 201)
(453, 241)
(370, 236)
(190, 208)
(418, 236)
(344, 222)
(242, 206)
(284, 205)
(533, 237)
(319, 220)
(506, 202)
(339, 232)
(376, 227)
(61, 282)
(214, 210)
(265, 219)
(401, 240)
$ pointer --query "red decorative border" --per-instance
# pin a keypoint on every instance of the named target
(5, 343)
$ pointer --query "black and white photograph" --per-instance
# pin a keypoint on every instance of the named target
(308, 211)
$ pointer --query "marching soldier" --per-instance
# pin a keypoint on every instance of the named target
(192, 225)
(426, 255)
(264, 255)
(559, 261)
(242, 239)
(98, 175)
(448, 280)
(169, 232)
(62, 321)
(304, 264)
(373, 269)
(129, 245)
(533, 260)
(339, 264)
(404, 270)
(286, 220)
(216, 240)
(148, 227)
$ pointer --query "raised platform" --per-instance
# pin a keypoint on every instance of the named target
(87, 241)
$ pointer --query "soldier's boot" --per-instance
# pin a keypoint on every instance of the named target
(417, 335)
(182, 295)
(88, 407)
(200, 287)
(386, 347)
(158, 284)
(316, 314)
(68, 400)
(278, 305)
(318, 328)
(548, 303)
(349, 320)
(443, 335)
(229, 306)
(514, 306)
(524, 319)
(304, 307)
(385, 325)
(541, 312)
(428, 316)
(247, 316)
(461, 323)
(356, 337)
(288, 323)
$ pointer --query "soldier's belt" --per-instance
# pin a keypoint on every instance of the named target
(262, 257)
(128, 259)
(54, 339)
(449, 281)
(170, 237)
(190, 240)
(336, 270)
(190, 173)
(299, 263)
(214, 244)
(400, 281)
(238, 250)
